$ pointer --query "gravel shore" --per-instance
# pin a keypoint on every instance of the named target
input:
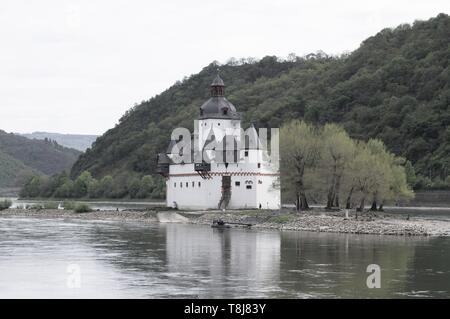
(317, 221)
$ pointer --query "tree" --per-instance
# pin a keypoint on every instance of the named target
(411, 177)
(32, 187)
(81, 184)
(134, 186)
(65, 190)
(106, 186)
(147, 186)
(298, 152)
(337, 151)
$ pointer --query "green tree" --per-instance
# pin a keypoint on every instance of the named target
(147, 186)
(81, 184)
(299, 150)
(337, 151)
(32, 187)
(106, 186)
(134, 186)
(65, 190)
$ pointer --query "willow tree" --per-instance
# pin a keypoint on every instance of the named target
(337, 152)
(299, 150)
(378, 175)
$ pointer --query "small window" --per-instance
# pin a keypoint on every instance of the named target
(218, 124)
(181, 185)
(246, 153)
(249, 186)
(237, 183)
(187, 184)
(259, 165)
(174, 184)
(193, 184)
(199, 184)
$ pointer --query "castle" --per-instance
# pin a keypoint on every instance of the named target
(220, 166)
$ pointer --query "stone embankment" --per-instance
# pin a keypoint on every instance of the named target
(316, 220)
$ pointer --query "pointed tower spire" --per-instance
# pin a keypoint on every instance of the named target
(217, 86)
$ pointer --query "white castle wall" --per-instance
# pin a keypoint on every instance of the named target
(256, 187)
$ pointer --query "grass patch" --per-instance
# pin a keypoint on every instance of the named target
(50, 205)
(281, 219)
(82, 208)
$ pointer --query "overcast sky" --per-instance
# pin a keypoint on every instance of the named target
(77, 66)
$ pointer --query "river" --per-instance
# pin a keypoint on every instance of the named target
(65, 258)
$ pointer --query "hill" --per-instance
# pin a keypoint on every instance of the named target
(12, 171)
(394, 87)
(21, 157)
(76, 141)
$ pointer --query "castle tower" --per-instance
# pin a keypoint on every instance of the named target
(218, 116)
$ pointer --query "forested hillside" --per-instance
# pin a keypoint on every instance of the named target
(12, 171)
(395, 87)
(21, 157)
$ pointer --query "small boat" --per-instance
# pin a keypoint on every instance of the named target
(218, 223)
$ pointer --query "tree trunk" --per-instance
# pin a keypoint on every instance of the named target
(374, 206)
(330, 198)
(349, 199)
(330, 194)
(336, 200)
(303, 202)
(336, 192)
(361, 205)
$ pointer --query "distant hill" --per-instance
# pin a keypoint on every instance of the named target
(21, 157)
(12, 171)
(77, 141)
(395, 87)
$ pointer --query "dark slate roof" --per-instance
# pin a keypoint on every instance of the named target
(217, 81)
(215, 106)
(163, 159)
(218, 107)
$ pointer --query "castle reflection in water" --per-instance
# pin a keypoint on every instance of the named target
(247, 258)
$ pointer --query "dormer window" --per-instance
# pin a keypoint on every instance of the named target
(225, 111)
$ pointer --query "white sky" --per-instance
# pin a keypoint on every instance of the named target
(77, 66)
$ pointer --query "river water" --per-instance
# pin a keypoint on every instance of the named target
(65, 258)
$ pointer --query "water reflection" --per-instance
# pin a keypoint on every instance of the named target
(132, 260)
(228, 260)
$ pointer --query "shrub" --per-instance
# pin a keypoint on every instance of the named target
(5, 204)
(82, 208)
(282, 219)
(68, 205)
(50, 205)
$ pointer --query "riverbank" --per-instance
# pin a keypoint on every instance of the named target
(315, 220)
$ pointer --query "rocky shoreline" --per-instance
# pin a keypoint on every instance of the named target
(316, 220)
